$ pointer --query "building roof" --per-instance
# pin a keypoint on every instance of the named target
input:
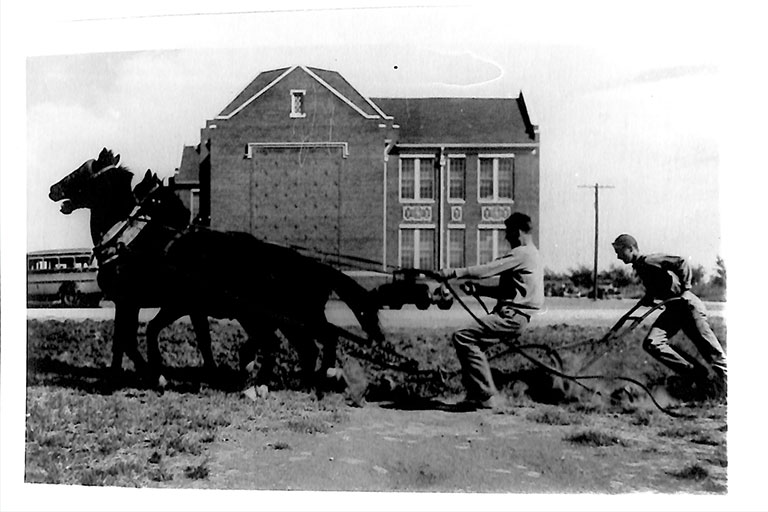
(331, 80)
(460, 120)
(421, 120)
(260, 83)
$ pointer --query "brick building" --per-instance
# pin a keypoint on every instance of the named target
(300, 157)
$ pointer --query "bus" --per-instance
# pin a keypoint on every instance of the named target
(62, 277)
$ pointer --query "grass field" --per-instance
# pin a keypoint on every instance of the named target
(80, 432)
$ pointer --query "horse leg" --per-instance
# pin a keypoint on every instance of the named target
(203, 334)
(269, 346)
(164, 318)
(124, 338)
(329, 341)
(308, 352)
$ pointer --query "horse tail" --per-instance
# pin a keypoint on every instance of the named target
(361, 301)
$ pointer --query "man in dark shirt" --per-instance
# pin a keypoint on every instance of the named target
(665, 277)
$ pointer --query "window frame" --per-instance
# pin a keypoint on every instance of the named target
(194, 203)
(303, 94)
(451, 228)
(417, 229)
(417, 159)
(463, 199)
(495, 199)
(497, 241)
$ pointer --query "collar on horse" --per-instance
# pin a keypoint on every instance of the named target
(122, 233)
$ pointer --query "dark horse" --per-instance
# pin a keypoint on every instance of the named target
(150, 257)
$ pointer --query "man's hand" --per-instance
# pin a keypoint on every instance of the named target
(469, 288)
(448, 273)
(648, 301)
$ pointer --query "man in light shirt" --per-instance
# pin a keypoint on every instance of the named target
(519, 293)
(665, 277)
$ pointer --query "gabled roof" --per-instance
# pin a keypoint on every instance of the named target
(259, 84)
(460, 120)
(331, 80)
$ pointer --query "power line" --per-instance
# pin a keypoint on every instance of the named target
(597, 188)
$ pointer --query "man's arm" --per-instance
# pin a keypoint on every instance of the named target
(483, 271)
(485, 290)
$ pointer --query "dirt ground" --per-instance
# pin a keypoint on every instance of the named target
(518, 449)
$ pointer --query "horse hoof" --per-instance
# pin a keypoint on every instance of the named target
(250, 366)
(162, 382)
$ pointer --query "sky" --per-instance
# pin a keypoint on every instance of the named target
(640, 117)
(663, 101)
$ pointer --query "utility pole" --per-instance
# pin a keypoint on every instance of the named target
(597, 188)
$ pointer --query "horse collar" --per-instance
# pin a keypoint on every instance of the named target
(120, 235)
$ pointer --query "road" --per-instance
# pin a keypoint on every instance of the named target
(557, 311)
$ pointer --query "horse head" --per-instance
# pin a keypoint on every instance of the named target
(369, 321)
(78, 189)
(160, 203)
(366, 310)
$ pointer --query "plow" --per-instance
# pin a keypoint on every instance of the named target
(544, 358)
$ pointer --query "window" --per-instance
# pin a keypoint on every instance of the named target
(457, 171)
(490, 244)
(194, 203)
(496, 178)
(417, 248)
(456, 247)
(65, 263)
(417, 179)
(297, 103)
(407, 178)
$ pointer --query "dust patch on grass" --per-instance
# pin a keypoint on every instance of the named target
(551, 416)
(595, 438)
(421, 476)
(691, 472)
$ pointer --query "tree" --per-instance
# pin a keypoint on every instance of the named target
(697, 274)
(581, 277)
(719, 279)
(618, 276)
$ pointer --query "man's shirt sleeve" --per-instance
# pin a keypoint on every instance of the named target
(491, 268)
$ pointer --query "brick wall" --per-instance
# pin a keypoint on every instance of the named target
(323, 196)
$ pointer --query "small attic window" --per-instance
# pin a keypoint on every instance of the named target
(297, 103)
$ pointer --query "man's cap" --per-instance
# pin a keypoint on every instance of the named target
(625, 241)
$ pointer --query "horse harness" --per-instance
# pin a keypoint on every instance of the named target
(118, 239)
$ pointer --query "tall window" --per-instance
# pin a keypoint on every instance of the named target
(417, 178)
(490, 244)
(194, 203)
(457, 171)
(456, 247)
(417, 248)
(297, 103)
(496, 177)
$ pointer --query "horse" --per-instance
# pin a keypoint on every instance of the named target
(200, 272)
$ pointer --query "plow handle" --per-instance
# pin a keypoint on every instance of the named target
(613, 333)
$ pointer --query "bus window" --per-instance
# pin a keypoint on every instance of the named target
(66, 263)
(34, 264)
